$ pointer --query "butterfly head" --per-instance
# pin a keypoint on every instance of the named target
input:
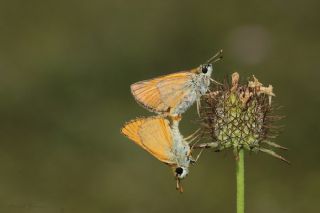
(181, 172)
(205, 69)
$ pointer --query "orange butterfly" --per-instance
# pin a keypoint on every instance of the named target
(173, 94)
(163, 141)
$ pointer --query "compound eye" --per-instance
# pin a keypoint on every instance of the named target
(204, 69)
(179, 171)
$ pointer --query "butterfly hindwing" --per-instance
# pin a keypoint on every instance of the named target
(154, 135)
(163, 93)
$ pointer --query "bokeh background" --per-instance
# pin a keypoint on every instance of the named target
(66, 67)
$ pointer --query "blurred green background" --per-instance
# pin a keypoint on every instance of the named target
(66, 68)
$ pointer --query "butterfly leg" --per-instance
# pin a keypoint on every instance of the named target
(198, 156)
(192, 135)
(216, 82)
(198, 106)
(206, 145)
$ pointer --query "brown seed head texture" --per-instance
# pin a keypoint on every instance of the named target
(240, 116)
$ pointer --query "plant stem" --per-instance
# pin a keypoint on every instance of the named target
(240, 182)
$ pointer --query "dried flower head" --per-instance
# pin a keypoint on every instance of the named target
(240, 116)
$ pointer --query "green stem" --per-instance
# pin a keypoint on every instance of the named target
(240, 182)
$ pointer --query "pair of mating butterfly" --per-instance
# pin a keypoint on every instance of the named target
(169, 96)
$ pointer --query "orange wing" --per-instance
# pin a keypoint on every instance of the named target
(152, 134)
(163, 93)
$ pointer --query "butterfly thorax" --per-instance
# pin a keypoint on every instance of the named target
(201, 83)
(197, 86)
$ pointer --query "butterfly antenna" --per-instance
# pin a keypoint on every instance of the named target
(217, 57)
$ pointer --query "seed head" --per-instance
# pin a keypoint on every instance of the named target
(240, 117)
